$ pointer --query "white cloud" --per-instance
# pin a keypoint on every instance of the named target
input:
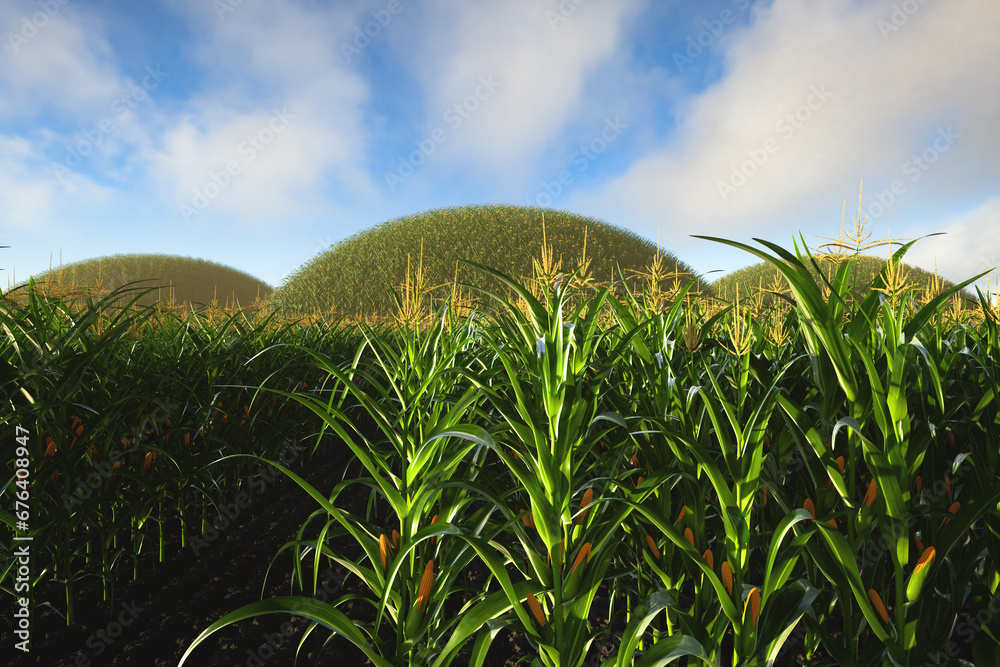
(254, 165)
(888, 94)
(31, 199)
(539, 59)
(971, 245)
(25, 201)
(59, 73)
(887, 97)
(54, 60)
(292, 54)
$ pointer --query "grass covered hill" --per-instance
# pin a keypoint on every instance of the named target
(750, 278)
(356, 276)
(184, 281)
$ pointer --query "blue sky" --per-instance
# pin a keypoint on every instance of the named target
(257, 133)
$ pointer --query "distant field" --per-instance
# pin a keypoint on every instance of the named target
(183, 281)
(358, 274)
(418, 256)
(751, 279)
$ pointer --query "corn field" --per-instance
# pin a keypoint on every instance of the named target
(695, 481)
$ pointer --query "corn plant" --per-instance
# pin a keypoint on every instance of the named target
(818, 475)
(891, 463)
(550, 396)
(409, 573)
(113, 450)
(728, 450)
(54, 354)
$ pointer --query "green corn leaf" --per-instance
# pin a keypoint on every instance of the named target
(848, 571)
(817, 315)
(317, 611)
(775, 579)
(779, 618)
(669, 649)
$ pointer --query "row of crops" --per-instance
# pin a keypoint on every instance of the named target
(684, 483)
(123, 414)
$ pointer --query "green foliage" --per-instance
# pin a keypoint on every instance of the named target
(726, 482)
(750, 279)
(356, 276)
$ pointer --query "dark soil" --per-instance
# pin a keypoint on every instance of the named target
(154, 619)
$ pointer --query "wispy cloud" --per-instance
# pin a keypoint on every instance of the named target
(65, 66)
(284, 117)
(542, 73)
(971, 245)
(886, 99)
(290, 52)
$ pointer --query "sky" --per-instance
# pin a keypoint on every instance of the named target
(258, 133)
